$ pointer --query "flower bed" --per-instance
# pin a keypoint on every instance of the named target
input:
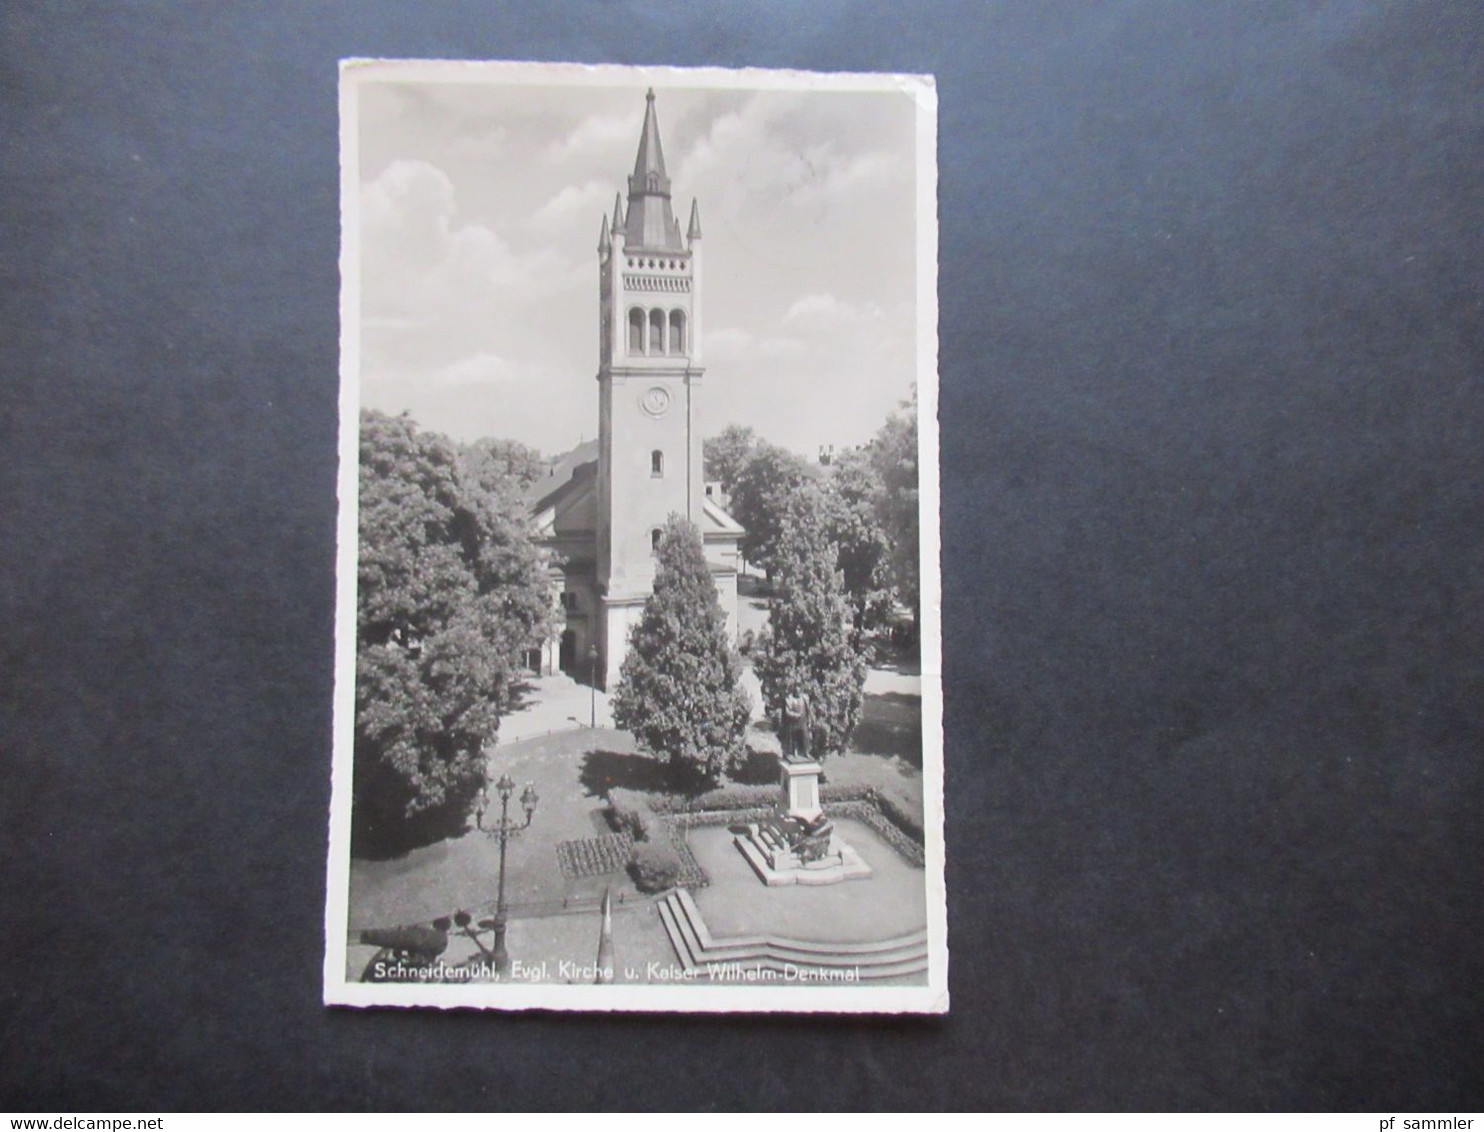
(594, 856)
(692, 875)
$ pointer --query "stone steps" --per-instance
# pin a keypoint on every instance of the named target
(697, 949)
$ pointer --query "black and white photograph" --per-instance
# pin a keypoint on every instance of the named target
(742, 556)
(637, 685)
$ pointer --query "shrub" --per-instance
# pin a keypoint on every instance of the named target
(722, 798)
(654, 866)
(850, 792)
(892, 811)
(629, 812)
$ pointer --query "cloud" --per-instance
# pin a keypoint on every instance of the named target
(772, 153)
(483, 368)
(731, 343)
(573, 207)
(598, 137)
(791, 382)
(422, 264)
(830, 310)
(480, 293)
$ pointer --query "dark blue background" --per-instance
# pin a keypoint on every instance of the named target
(1213, 562)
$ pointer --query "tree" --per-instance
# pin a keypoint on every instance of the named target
(727, 454)
(852, 496)
(680, 691)
(894, 457)
(502, 462)
(760, 496)
(807, 645)
(451, 593)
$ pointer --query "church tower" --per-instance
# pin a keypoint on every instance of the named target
(649, 389)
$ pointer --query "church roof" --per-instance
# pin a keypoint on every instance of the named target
(565, 474)
(650, 223)
(721, 524)
(558, 503)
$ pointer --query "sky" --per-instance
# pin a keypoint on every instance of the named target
(480, 209)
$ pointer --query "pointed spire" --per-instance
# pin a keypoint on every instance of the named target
(650, 222)
(651, 157)
(605, 238)
(694, 231)
(617, 213)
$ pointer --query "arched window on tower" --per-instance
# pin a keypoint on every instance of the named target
(677, 332)
(636, 331)
(654, 540)
(656, 332)
(656, 463)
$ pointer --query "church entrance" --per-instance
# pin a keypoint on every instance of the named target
(567, 654)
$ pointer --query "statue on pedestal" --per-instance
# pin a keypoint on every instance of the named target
(796, 843)
(796, 726)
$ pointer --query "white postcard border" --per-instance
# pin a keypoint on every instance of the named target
(699, 997)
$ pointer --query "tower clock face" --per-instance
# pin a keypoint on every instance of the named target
(655, 400)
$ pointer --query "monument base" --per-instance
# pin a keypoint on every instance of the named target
(801, 788)
(776, 865)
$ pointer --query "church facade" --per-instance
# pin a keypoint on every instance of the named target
(601, 508)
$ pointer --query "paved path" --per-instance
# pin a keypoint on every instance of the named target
(460, 872)
(554, 703)
(542, 744)
(559, 703)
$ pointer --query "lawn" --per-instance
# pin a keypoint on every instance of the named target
(461, 872)
(572, 771)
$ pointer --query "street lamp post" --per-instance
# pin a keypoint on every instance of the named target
(504, 831)
(592, 683)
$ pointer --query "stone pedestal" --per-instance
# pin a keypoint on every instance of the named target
(775, 848)
(801, 789)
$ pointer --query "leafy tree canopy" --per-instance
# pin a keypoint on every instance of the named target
(451, 593)
(893, 455)
(851, 500)
(760, 495)
(807, 646)
(502, 463)
(726, 454)
(680, 691)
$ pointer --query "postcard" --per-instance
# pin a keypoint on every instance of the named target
(638, 688)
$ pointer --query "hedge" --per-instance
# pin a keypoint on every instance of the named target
(729, 798)
(722, 798)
